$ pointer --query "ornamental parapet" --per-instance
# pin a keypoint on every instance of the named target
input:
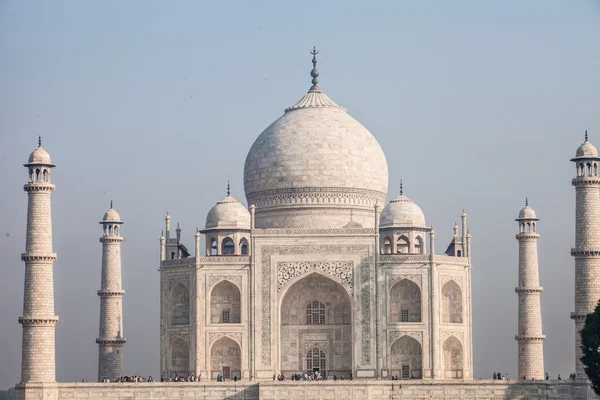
(111, 293)
(314, 232)
(527, 235)
(207, 260)
(38, 257)
(422, 258)
(578, 316)
(39, 187)
(575, 252)
(520, 289)
(586, 181)
(111, 239)
(526, 338)
(111, 341)
(319, 196)
(38, 321)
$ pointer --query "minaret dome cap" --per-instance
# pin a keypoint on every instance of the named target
(586, 150)
(39, 157)
(527, 213)
(111, 216)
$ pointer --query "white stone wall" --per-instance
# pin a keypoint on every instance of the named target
(38, 320)
(350, 390)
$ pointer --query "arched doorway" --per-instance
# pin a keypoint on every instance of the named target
(225, 304)
(316, 327)
(406, 358)
(452, 303)
(405, 302)
(180, 358)
(453, 359)
(225, 359)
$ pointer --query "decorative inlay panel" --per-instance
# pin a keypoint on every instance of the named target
(184, 280)
(456, 278)
(214, 336)
(446, 334)
(365, 302)
(235, 279)
(343, 270)
(174, 336)
(395, 335)
(393, 278)
(265, 290)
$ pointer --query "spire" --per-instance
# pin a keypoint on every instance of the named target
(111, 204)
(526, 202)
(315, 72)
(586, 136)
(228, 189)
(178, 228)
(40, 140)
(401, 188)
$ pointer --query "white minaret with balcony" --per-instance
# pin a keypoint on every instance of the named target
(587, 240)
(529, 337)
(110, 339)
(38, 362)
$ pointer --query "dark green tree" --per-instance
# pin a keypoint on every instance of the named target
(590, 347)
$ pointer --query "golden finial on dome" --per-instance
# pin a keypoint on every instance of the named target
(228, 189)
(315, 72)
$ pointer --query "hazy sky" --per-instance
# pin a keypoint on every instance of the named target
(154, 105)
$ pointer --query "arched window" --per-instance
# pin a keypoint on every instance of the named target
(315, 313)
(580, 170)
(45, 175)
(110, 230)
(37, 174)
(228, 247)
(402, 245)
(316, 361)
(419, 245)
(533, 226)
(405, 302)
(180, 358)
(588, 169)
(225, 304)
(387, 246)
(459, 253)
(453, 359)
(407, 358)
(172, 255)
(213, 247)
(595, 169)
(452, 303)
(116, 230)
(180, 305)
(244, 247)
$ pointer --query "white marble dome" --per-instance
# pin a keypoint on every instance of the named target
(587, 150)
(315, 156)
(402, 212)
(228, 214)
(111, 216)
(527, 213)
(40, 156)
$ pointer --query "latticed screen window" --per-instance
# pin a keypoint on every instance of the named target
(406, 372)
(225, 317)
(403, 315)
(315, 313)
(226, 372)
(315, 361)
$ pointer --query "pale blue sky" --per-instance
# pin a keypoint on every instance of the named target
(154, 105)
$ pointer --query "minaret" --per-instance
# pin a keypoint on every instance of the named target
(110, 340)
(587, 240)
(529, 336)
(38, 357)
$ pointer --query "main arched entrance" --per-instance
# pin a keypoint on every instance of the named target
(316, 328)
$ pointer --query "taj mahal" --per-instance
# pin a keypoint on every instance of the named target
(317, 275)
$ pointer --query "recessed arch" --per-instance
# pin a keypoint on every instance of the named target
(180, 358)
(226, 359)
(180, 305)
(387, 246)
(244, 250)
(406, 358)
(453, 358)
(334, 337)
(213, 247)
(225, 303)
(227, 247)
(419, 245)
(405, 302)
(452, 309)
(402, 245)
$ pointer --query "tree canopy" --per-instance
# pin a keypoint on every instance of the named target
(590, 346)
